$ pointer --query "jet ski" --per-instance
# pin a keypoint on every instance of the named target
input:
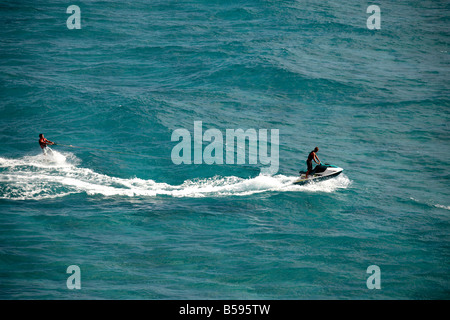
(319, 173)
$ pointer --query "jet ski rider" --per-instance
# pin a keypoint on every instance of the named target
(312, 156)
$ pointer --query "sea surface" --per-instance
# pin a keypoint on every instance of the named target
(111, 200)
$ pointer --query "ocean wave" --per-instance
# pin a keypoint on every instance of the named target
(436, 205)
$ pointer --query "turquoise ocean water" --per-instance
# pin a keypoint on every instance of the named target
(376, 102)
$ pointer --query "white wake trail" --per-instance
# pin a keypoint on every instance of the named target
(41, 177)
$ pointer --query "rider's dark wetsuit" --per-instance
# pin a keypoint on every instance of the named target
(309, 160)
